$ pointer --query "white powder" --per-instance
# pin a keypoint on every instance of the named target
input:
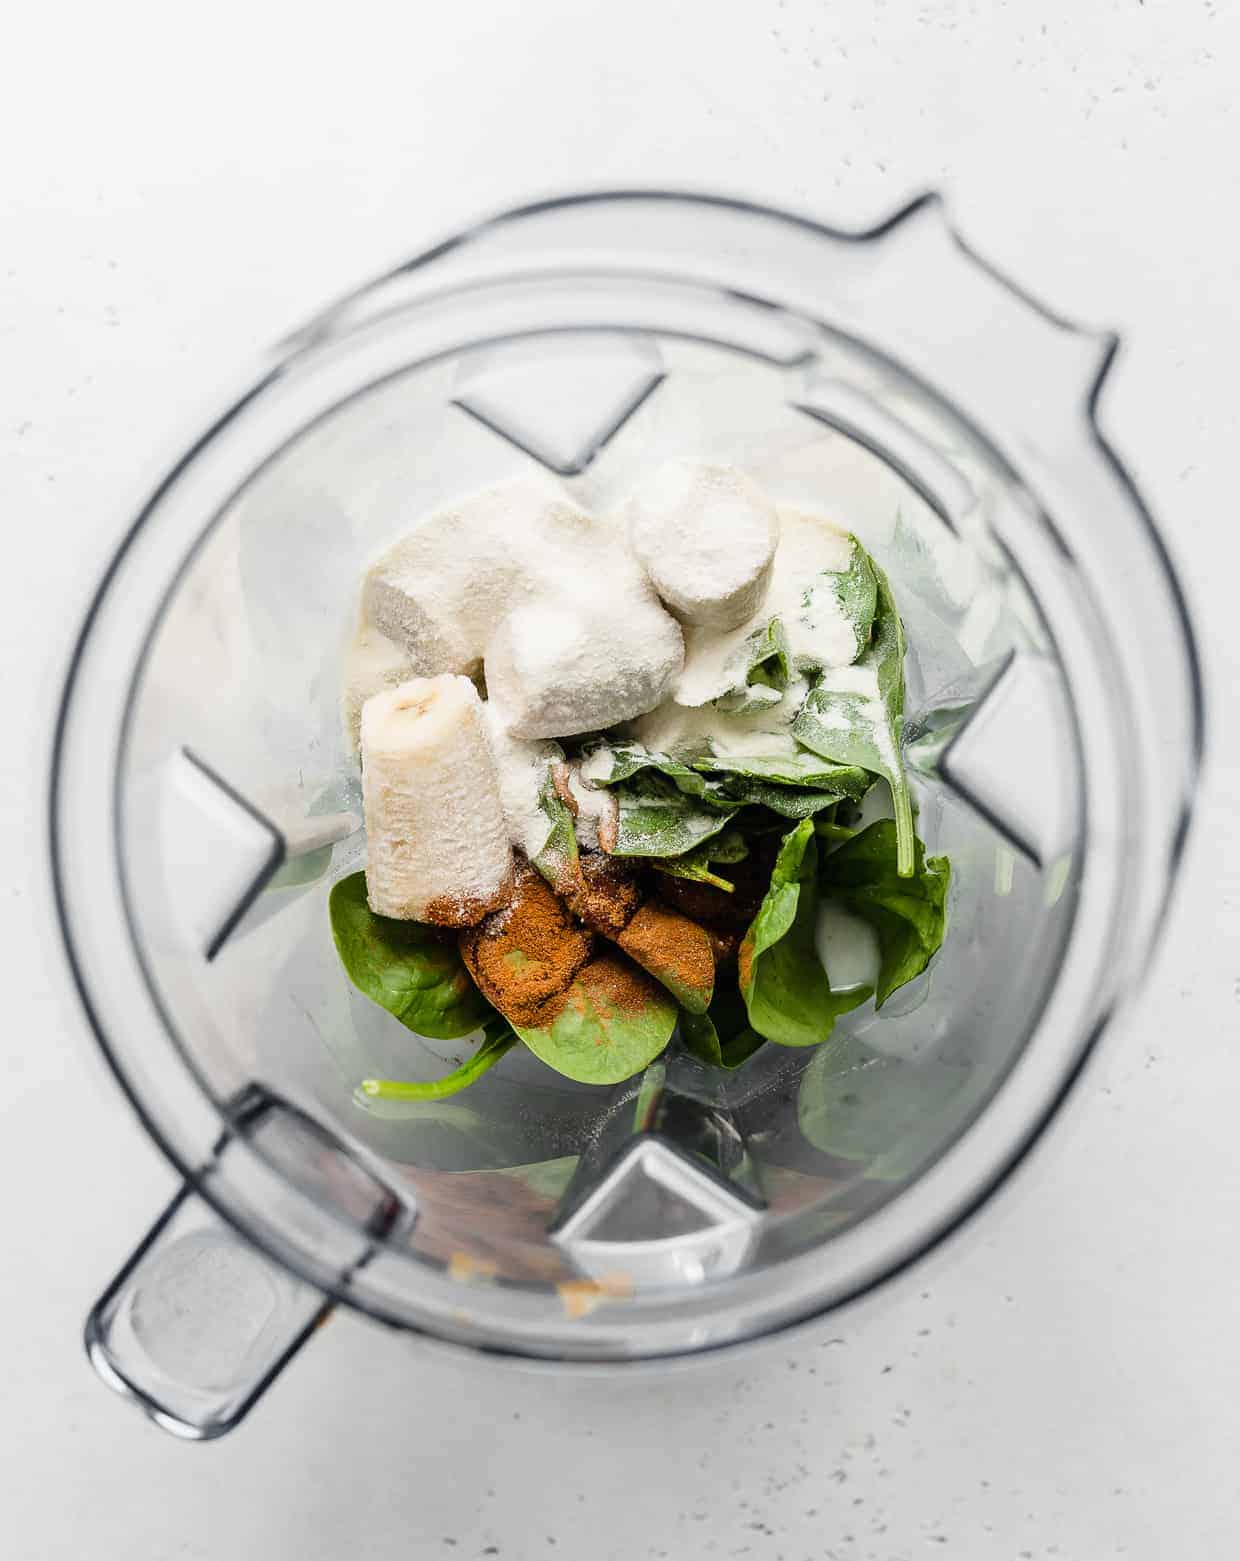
(861, 684)
(706, 536)
(818, 632)
(680, 730)
(861, 680)
(522, 768)
(596, 766)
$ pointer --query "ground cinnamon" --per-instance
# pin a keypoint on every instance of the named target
(673, 948)
(604, 892)
(606, 985)
(525, 956)
(534, 956)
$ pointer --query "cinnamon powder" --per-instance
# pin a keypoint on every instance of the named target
(524, 957)
(603, 892)
(662, 940)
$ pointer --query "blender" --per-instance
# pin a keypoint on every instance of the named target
(205, 797)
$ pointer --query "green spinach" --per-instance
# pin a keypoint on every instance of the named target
(786, 991)
(721, 850)
(909, 914)
(722, 1035)
(673, 949)
(796, 802)
(600, 1036)
(801, 768)
(498, 1042)
(557, 859)
(413, 971)
(628, 759)
(656, 818)
(854, 715)
(852, 592)
(760, 672)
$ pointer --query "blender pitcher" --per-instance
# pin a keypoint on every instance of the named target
(205, 797)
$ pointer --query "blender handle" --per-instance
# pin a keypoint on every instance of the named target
(198, 1323)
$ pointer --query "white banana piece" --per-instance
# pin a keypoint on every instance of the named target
(555, 669)
(706, 537)
(438, 848)
(440, 590)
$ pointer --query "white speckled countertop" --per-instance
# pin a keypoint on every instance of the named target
(1060, 1380)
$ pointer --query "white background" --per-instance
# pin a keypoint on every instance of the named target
(180, 185)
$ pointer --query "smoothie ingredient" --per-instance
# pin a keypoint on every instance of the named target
(560, 667)
(806, 594)
(498, 1042)
(706, 536)
(786, 991)
(440, 590)
(412, 970)
(613, 1021)
(854, 714)
(908, 914)
(437, 843)
(638, 821)
(675, 951)
(658, 819)
(525, 956)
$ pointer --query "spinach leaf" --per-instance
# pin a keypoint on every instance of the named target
(785, 987)
(885, 1112)
(628, 759)
(413, 971)
(722, 1035)
(498, 1042)
(723, 850)
(602, 1035)
(795, 802)
(631, 759)
(748, 700)
(658, 819)
(852, 592)
(801, 768)
(675, 951)
(908, 914)
(854, 716)
(760, 671)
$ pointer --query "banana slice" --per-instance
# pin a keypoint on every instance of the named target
(440, 590)
(706, 537)
(555, 668)
(438, 848)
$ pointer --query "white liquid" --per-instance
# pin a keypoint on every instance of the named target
(847, 946)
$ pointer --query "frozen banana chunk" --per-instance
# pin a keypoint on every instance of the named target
(441, 590)
(706, 537)
(438, 848)
(555, 669)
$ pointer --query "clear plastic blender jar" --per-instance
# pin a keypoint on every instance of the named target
(205, 799)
